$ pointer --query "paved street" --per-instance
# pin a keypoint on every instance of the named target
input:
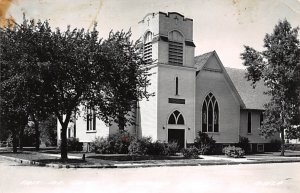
(256, 178)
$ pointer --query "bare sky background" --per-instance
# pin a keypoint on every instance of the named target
(221, 25)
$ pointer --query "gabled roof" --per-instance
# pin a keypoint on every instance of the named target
(253, 98)
(250, 98)
(202, 65)
(202, 59)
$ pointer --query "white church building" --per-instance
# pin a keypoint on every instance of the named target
(192, 93)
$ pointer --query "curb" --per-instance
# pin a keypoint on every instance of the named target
(58, 166)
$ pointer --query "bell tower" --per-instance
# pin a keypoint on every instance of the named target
(169, 49)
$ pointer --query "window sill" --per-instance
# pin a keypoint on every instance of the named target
(249, 133)
(92, 131)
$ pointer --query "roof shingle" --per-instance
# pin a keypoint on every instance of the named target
(253, 98)
(201, 60)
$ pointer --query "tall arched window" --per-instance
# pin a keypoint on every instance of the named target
(148, 47)
(176, 118)
(176, 48)
(210, 114)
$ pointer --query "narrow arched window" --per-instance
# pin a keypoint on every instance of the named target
(210, 114)
(148, 47)
(176, 118)
(175, 48)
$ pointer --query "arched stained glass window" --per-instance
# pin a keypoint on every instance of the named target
(210, 114)
(176, 118)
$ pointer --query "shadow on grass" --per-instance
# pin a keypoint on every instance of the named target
(134, 157)
(10, 152)
(60, 161)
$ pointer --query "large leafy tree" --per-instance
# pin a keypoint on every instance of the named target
(279, 67)
(17, 84)
(65, 70)
(128, 75)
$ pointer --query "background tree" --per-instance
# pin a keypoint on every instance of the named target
(279, 67)
(127, 75)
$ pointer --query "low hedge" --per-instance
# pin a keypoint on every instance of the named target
(232, 151)
(190, 153)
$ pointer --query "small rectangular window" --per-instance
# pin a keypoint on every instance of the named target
(249, 122)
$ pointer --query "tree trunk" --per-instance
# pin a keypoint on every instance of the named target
(282, 142)
(37, 135)
(121, 122)
(21, 135)
(64, 144)
(36, 132)
(14, 142)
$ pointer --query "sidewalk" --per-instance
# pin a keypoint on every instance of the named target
(52, 160)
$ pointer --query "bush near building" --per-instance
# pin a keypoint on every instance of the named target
(232, 151)
(123, 143)
(190, 153)
(206, 145)
(273, 146)
(244, 144)
(73, 144)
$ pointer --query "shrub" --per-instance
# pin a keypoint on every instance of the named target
(145, 146)
(100, 145)
(233, 151)
(205, 144)
(244, 144)
(139, 146)
(157, 148)
(190, 153)
(117, 143)
(120, 142)
(275, 145)
(74, 144)
(292, 147)
(171, 148)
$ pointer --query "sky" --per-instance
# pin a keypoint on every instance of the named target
(221, 25)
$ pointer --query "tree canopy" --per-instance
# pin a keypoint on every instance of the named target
(279, 67)
(62, 71)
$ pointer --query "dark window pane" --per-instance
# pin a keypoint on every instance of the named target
(94, 121)
(176, 86)
(172, 119)
(213, 99)
(249, 122)
(210, 117)
(216, 118)
(204, 117)
(180, 120)
(204, 127)
(176, 113)
(207, 98)
(204, 114)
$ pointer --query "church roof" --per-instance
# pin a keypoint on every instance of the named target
(253, 98)
(202, 59)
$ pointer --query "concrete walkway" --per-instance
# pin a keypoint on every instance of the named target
(242, 160)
